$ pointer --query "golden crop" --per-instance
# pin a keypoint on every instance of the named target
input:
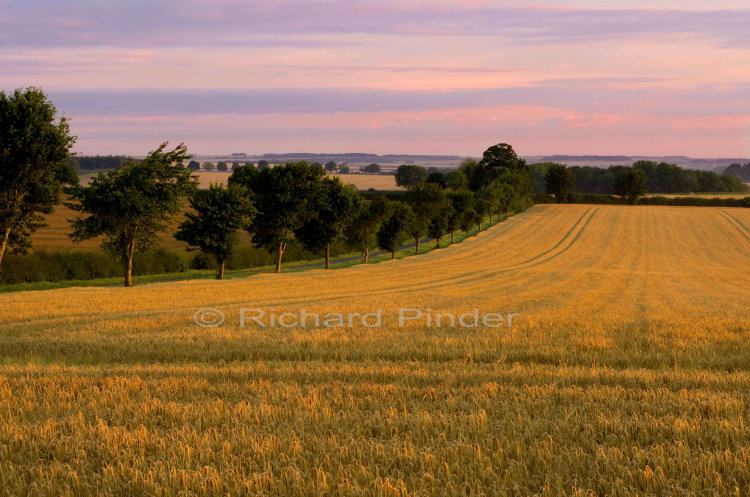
(627, 372)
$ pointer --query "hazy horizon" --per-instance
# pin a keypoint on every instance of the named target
(443, 77)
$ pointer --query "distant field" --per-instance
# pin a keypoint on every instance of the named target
(626, 372)
(361, 181)
(55, 235)
(703, 195)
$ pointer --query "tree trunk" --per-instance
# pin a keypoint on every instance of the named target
(467, 233)
(453, 237)
(129, 253)
(437, 243)
(4, 245)
(129, 271)
(367, 254)
(328, 256)
(279, 255)
(417, 239)
(220, 276)
(490, 219)
(393, 255)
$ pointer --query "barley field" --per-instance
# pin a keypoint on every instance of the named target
(626, 371)
(361, 181)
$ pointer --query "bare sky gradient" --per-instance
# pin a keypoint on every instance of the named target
(408, 76)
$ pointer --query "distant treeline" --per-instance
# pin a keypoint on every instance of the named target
(97, 162)
(596, 198)
(739, 171)
(659, 177)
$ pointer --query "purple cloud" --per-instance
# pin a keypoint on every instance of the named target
(139, 23)
(583, 94)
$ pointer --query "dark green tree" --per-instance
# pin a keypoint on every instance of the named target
(462, 208)
(437, 178)
(263, 164)
(131, 204)
(426, 201)
(365, 224)
(194, 166)
(440, 222)
(494, 198)
(331, 167)
(344, 169)
(330, 211)
(473, 172)
(394, 230)
(217, 215)
(34, 150)
(560, 182)
(282, 196)
(209, 166)
(372, 168)
(630, 184)
(222, 167)
(456, 180)
(410, 175)
(497, 162)
(502, 156)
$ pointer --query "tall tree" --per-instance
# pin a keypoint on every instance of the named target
(410, 175)
(426, 201)
(217, 215)
(456, 180)
(131, 204)
(34, 150)
(222, 167)
(194, 166)
(393, 231)
(494, 198)
(462, 209)
(440, 222)
(331, 167)
(498, 162)
(437, 178)
(330, 211)
(630, 184)
(559, 181)
(282, 196)
(365, 224)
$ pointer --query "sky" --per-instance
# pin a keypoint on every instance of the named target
(389, 76)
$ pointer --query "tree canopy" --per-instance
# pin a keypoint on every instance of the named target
(559, 181)
(34, 150)
(329, 211)
(131, 204)
(217, 215)
(630, 184)
(283, 196)
(410, 175)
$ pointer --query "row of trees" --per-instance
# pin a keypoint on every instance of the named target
(128, 206)
(658, 178)
(331, 167)
(560, 182)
